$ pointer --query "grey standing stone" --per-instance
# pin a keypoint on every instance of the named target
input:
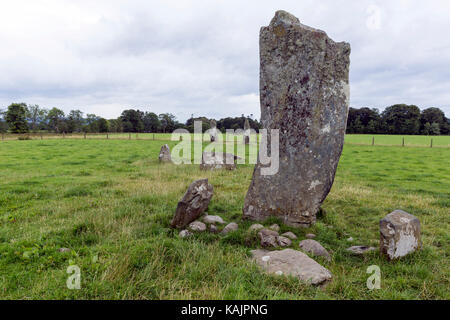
(315, 248)
(247, 131)
(213, 130)
(399, 234)
(164, 154)
(304, 92)
(194, 202)
(291, 262)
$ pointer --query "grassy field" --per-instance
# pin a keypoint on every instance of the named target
(110, 202)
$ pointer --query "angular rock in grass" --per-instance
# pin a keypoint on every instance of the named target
(275, 227)
(164, 154)
(292, 262)
(213, 228)
(310, 236)
(194, 202)
(185, 233)
(289, 235)
(212, 219)
(230, 227)
(268, 238)
(197, 226)
(283, 241)
(255, 227)
(360, 250)
(399, 234)
(304, 88)
(214, 160)
(314, 247)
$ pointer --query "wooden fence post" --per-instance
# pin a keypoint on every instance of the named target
(3, 136)
(403, 142)
(431, 144)
(107, 136)
(373, 141)
(85, 135)
(153, 136)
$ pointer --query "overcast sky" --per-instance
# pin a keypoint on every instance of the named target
(202, 57)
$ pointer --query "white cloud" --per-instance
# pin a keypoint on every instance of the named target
(202, 57)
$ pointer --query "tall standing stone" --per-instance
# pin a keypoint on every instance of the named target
(213, 130)
(247, 131)
(304, 92)
(164, 154)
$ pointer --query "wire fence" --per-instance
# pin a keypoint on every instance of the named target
(356, 139)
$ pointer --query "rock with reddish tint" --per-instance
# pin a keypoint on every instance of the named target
(399, 234)
(315, 248)
(193, 204)
(304, 93)
(164, 154)
(289, 262)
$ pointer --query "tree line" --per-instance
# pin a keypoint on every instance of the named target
(397, 119)
(23, 118)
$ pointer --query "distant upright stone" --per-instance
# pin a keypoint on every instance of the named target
(164, 154)
(194, 202)
(213, 130)
(304, 93)
(399, 234)
(289, 262)
(247, 131)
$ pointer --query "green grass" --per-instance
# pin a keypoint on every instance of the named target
(111, 203)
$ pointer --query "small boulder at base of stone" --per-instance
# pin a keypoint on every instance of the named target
(399, 234)
(255, 227)
(230, 227)
(283, 241)
(213, 228)
(289, 235)
(194, 202)
(164, 154)
(359, 250)
(292, 262)
(310, 236)
(314, 247)
(275, 227)
(197, 226)
(268, 238)
(185, 233)
(212, 219)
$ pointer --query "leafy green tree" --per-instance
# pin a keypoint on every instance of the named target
(36, 117)
(56, 120)
(115, 125)
(102, 125)
(16, 117)
(402, 119)
(168, 122)
(151, 122)
(132, 120)
(435, 129)
(75, 121)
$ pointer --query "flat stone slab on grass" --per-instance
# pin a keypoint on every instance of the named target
(359, 250)
(292, 262)
(213, 219)
(315, 248)
(232, 226)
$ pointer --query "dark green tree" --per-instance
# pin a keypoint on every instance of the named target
(151, 122)
(402, 119)
(16, 117)
(132, 120)
(56, 120)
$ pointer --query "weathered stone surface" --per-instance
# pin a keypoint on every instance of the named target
(289, 235)
(194, 202)
(232, 226)
(284, 241)
(197, 226)
(399, 234)
(255, 227)
(310, 236)
(275, 227)
(268, 238)
(213, 219)
(315, 248)
(292, 262)
(359, 250)
(213, 228)
(185, 233)
(304, 92)
(164, 154)
(213, 160)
